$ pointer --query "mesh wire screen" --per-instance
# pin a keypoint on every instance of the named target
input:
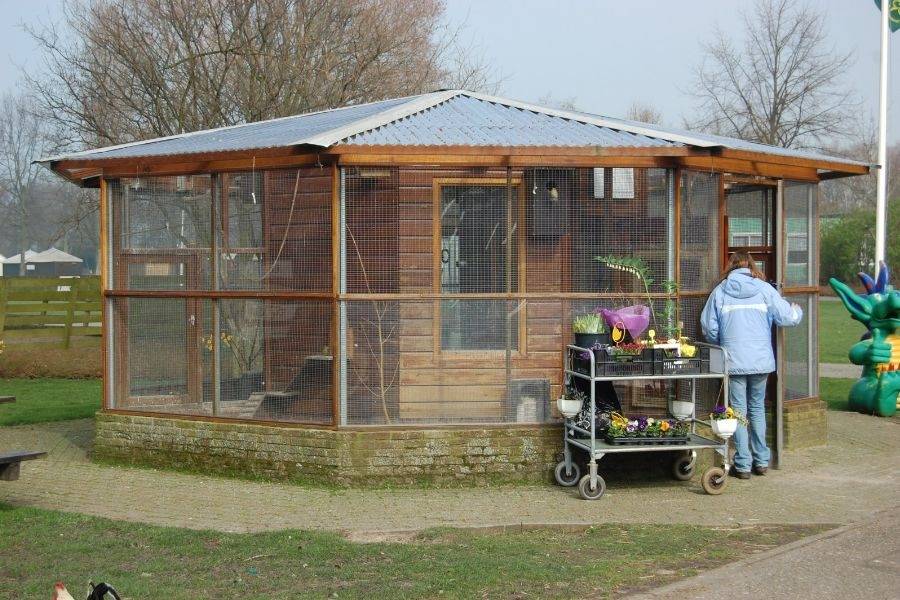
(159, 365)
(800, 352)
(272, 231)
(275, 360)
(269, 231)
(750, 210)
(608, 218)
(800, 234)
(162, 232)
(400, 370)
(700, 251)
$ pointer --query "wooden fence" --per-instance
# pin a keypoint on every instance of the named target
(35, 307)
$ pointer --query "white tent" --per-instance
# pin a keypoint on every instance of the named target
(17, 258)
(52, 255)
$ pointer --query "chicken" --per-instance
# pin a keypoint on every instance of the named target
(61, 593)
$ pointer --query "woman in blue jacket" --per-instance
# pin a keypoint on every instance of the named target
(738, 316)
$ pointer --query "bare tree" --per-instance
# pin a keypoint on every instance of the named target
(781, 85)
(644, 113)
(22, 141)
(121, 70)
(570, 103)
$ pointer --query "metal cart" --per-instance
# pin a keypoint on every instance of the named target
(592, 486)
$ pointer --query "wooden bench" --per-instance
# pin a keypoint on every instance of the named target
(10, 461)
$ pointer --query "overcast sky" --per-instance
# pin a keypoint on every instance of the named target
(604, 54)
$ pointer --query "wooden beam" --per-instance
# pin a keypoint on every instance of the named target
(746, 167)
(815, 163)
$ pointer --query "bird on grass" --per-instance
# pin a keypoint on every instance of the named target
(98, 592)
(61, 593)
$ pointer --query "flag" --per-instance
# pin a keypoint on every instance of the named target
(894, 15)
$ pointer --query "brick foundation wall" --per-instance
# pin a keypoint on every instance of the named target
(805, 423)
(440, 456)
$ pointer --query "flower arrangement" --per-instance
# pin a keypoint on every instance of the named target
(721, 413)
(645, 427)
(624, 351)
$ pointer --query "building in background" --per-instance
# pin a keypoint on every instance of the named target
(49, 263)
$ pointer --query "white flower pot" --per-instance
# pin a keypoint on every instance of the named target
(681, 409)
(567, 407)
(724, 428)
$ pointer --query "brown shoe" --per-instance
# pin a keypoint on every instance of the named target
(760, 470)
(739, 474)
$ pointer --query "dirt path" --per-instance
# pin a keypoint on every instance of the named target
(849, 480)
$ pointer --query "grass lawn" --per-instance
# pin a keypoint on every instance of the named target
(837, 332)
(834, 392)
(39, 547)
(40, 400)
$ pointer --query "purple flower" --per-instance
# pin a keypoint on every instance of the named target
(719, 410)
(630, 428)
(642, 423)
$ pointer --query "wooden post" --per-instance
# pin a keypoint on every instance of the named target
(70, 313)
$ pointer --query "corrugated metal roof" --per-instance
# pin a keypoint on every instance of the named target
(273, 133)
(734, 143)
(469, 121)
(445, 118)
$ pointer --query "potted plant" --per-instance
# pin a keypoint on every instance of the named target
(589, 331)
(725, 421)
(571, 402)
(625, 352)
(646, 430)
(681, 409)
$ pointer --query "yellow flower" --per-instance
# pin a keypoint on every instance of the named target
(664, 425)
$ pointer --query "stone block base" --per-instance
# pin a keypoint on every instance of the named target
(805, 423)
(468, 456)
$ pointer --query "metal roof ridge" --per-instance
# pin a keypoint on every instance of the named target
(415, 105)
(187, 134)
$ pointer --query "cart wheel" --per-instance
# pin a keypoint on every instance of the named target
(584, 488)
(714, 481)
(567, 480)
(683, 468)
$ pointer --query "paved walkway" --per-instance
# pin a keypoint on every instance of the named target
(840, 370)
(861, 561)
(849, 480)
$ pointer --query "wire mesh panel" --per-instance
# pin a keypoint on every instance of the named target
(618, 214)
(162, 232)
(275, 230)
(158, 363)
(801, 378)
(750, 210)
(800, 234)
(700, 252)
(276, 360)
(400, 371)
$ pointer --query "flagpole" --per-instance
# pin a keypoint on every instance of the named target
(881, 200)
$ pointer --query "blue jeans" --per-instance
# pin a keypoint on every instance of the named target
(747, 395)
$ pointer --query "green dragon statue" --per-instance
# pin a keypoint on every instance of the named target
(879, 310)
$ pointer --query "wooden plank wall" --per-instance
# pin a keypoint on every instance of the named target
(297, 258)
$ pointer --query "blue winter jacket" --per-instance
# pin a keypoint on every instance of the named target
(738, 316)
